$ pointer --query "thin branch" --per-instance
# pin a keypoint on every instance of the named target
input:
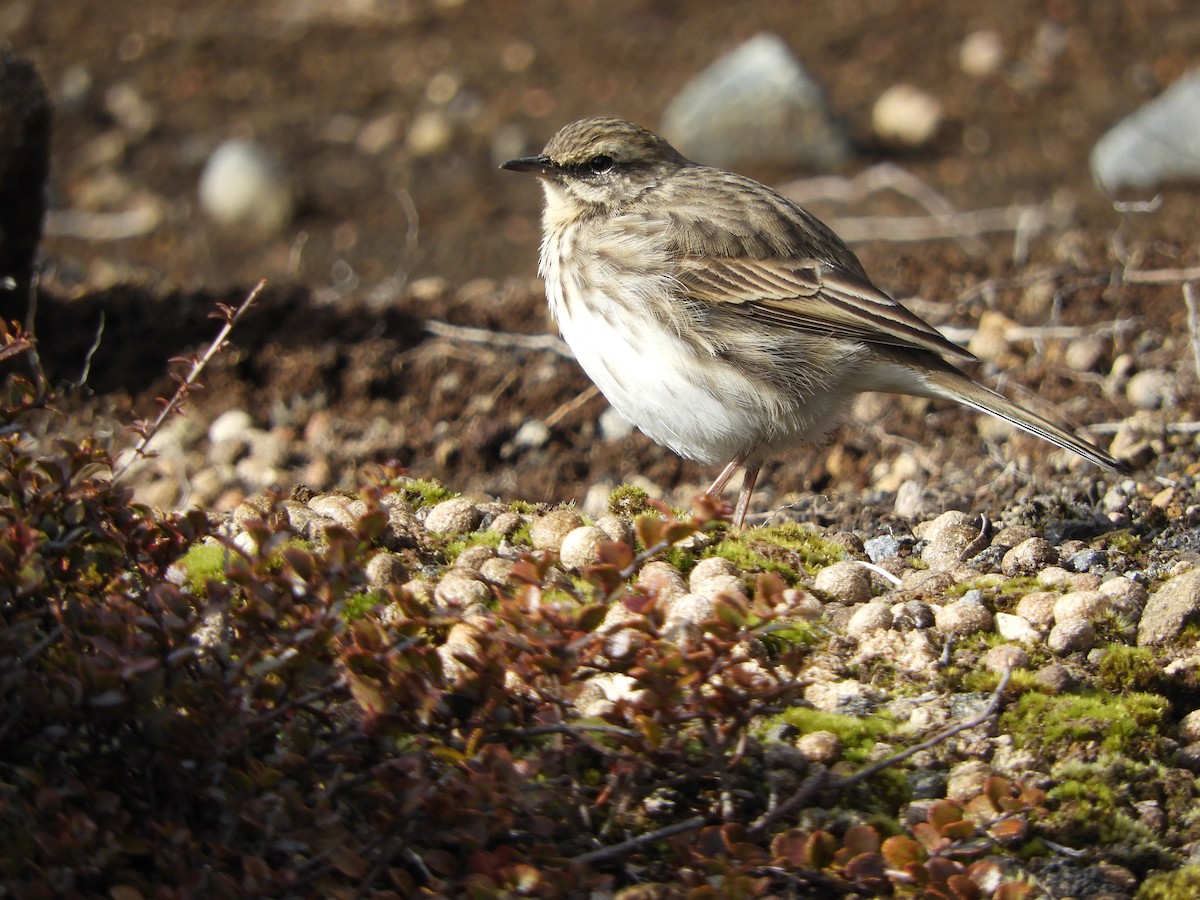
(571, 405)
(218, 344)
(603, 853)
(1189, 299)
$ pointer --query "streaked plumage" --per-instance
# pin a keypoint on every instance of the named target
(723, 320)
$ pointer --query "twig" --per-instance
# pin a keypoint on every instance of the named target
(141, 219)
(91, 353)
(571, 405)
(944, 226)
(1160, 276)
(593, 856)
(231, 319)
(1189, 298)
(498, 338)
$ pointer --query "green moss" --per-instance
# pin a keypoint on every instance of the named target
(628, 500)
(746, 560)
(524, 507)
(1020, 681)
(204, 562)
(1125, 669)
(424, 491)
(358, 605)
(858, 735)
(1120, 724)
(1182, 884)
(1124, 542)
(809, 549)
(475, 539)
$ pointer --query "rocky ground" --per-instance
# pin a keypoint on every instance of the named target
(403, 326)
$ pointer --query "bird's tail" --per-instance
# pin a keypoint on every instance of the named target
(952, 384)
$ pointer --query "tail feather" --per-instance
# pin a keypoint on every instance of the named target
(952, 384)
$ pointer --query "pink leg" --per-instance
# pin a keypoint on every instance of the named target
(723, 479)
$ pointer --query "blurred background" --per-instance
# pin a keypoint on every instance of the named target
(348, 152)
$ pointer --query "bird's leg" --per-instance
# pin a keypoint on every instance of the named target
(723, 479)
(743, 503)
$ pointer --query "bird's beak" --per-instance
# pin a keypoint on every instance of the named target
(538, 165)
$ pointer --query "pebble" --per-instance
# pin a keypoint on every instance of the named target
(962, 618)
(885, 546)
(532, 434)
(950, 545)
(869, 617)
(1152, 389)
(1089, 605)
(1159, 142)
(461, 590)
(549, 531)
(430, 133)
(243, 185)
(1016, 628)
(231, 426)
(907, 116)
(581, 547)
(616, 528)
(848, 696)
(847, 582)
(823, 747)
(981, 53)
(1189, 727)
(455, 516)
(613, 426)
(506, 523)
(1071, 636)
(1005, 656)
(386, 569)
(914, 501)
(1087, 561)
(497, 570)
(1054, 678)
(1028, 557)
(346, 511)
(661, 579)
(912, 614)
(755, 106)
(1169, 609)
(967, 779)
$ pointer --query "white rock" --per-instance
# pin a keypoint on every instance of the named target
(614, 426)
(233, 425)
(869, 617)
(981, 53)
(846, 581)
(1159, 142)
(244, 185)
(1015, 628)
(581, 546)
(906, 115)
(455, 516)
(756, 105)
(820, 746)
(962, 618)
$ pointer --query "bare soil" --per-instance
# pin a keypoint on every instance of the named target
(335, 357)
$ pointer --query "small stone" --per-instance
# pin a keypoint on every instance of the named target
(581, 547)
(473, 558)
(820, 747)
(1169, 609)
(549, 531)
(883, 547)
(1004, 657)
(1015, 628)
(531, 435)
(845, 581)
(1127, 595)
(386, 569)
(1055, 577)
(907, 116)
(497, 571)
(848, 696)
(430, 133)
(913, 500)
(1037, 608)
(1189, 727)
(925, 784)
(231, 426)
(1087, 560)
(1086, 354)
(1152, 389)
(461, 590)
(1189, 757)
(1028, 557)
(1089, 605)
(243, 185)
(962, 618)
(869, 617)
(346, 511)
(1071, 636)
(951, 545)
(613, 426)
(1054, 678)
(967, 780)
(683, 616)
(912, 614)
(455, 516)
(981, 53)
(616, 528)
(662, 580)
(506, 523)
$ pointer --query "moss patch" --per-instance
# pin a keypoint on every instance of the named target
(1127, 723)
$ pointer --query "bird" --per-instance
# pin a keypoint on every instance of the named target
(723, 320)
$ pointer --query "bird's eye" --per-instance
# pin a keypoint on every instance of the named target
(598, 165)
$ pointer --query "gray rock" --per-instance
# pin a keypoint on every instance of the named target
(962, 618)
(1189, 727)
(1159, 142)
(1028, 557)
(755, 106)
(1071, 636)
(1169, 609)
(869, 617)
(845, 581)
(885, 546)
(549, 532)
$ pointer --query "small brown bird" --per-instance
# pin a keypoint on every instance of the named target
(720, 318)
